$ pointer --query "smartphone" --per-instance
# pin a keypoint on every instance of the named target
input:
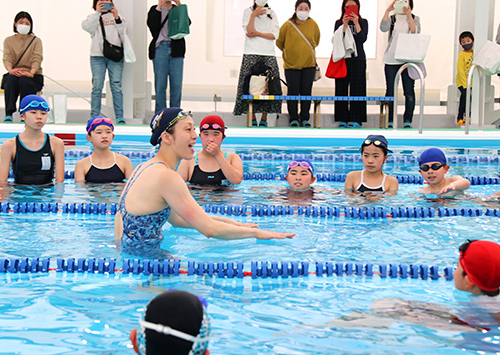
(269, 11)
(353, 9)
(107, 6)
(399, 5)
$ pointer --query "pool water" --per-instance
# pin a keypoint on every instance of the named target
(63, 313)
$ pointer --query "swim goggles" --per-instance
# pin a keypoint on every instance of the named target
(462, 248)
(35, 104)
(302, 164)
(100, 121)
(214, 126)
(376, 143)
(180, 115)
(435, 166)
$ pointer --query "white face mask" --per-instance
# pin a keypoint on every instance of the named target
(303, 15)
(23, 29)
(260, 2)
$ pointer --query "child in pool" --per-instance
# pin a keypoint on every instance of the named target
(35, 156)
(300, 176)
(372, 179)
(174, 322)
(212, 166)
(103, 165)
(155, 193)
(433, 168)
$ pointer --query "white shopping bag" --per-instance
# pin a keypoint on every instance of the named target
(488, 58)
(411, 47)
(258, 85)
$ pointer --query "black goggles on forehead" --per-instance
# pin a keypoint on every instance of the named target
(435, 166)
(462, 248)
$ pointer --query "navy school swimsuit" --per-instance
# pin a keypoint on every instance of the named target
(98, 175)
(364, 188)
(201, 177)
(142, 231)
(33, 167)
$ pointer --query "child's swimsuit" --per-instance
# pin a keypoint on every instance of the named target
(33, 167)
(111, 174)
(142, 231)
(201, 177)
(363, 188)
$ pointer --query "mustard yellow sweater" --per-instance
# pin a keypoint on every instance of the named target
(297, 54)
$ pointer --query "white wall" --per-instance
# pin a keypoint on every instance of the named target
(66, 45)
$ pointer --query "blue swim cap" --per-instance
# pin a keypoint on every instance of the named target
(33, 102)
(432, 155)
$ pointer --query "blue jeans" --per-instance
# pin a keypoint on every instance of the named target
(98, 65)
(167, 68)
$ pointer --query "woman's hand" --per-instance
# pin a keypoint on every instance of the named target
(100, 5)
(355, 18)
(391, 7)
(27, 73)
(114, 11)
(252, 34)
(17, 72)
(259, 11)
(407, 11)
(345, 20)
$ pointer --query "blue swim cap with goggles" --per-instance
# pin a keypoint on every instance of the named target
(303, 163)
(177, 321)
(33, 102)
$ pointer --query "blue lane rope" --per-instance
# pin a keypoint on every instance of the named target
(264, 269)
(262, 210)
(327, 177)
(317, 98)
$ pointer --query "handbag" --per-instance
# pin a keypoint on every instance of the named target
(336, 70)
(317, 73)
(488, 58)
(258, 85)
(110, 51)
(4, 77)
(411, 47)
(273, 85)
(178, 22)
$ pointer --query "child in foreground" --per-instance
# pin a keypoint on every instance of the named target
(174, 322)
(103, 165)
(372, 179)
(36, 157)
(433, 168)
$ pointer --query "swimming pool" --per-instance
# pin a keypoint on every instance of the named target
(86, 313)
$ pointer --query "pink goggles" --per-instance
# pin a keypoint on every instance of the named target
(97, 121)
(302, 164)
(214, 126)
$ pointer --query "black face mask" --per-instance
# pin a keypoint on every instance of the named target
(467, 46)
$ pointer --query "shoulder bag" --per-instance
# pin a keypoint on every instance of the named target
(317, 74)
(178, 23)
(2, 85)
(110, 51)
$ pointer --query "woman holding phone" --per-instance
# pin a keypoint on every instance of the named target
(403, 21)
(115, 27)
(352, 114)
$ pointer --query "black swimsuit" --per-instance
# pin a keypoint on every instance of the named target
(98, 175)
(363, 188)
(201, 177)
(33, 167)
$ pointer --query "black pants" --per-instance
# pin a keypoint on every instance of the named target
(461, 105)
(408, 90)
(300, 82)
(354, 84)
(15, 86)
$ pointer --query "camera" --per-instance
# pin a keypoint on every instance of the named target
(269, 11)
(399, 5)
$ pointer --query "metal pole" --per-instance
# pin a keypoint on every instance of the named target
(422, 96)
(481, 98)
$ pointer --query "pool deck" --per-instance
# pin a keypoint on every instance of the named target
(297, 137)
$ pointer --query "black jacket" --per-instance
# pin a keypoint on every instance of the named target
(154, 25)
